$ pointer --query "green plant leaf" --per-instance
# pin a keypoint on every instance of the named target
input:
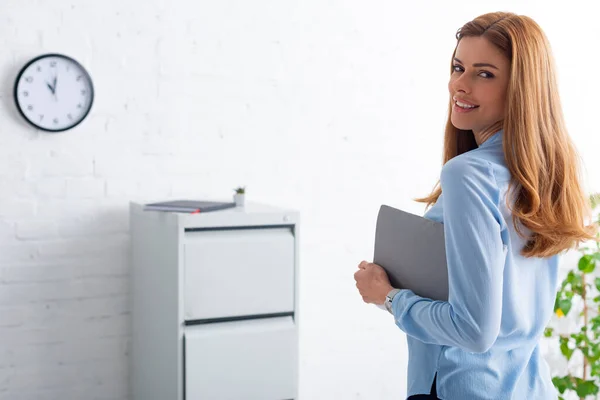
(587, 264)
(595, 370)
(562, 383)
(595, 322)
(595, 200)
(594, 354)
(585, 388)
(565, 306)
(548, 332)
(566, 351)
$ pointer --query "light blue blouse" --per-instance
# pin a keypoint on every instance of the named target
(483, 341)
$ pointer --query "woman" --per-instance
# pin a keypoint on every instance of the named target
(510, 200)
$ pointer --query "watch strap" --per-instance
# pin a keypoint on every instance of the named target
(389, 298)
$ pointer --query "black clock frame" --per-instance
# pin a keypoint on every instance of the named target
(20, 75)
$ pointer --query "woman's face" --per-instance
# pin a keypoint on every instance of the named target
(478, 85)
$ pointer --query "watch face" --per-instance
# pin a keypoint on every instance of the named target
(54, 92)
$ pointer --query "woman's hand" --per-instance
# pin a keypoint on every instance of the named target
(372, 282)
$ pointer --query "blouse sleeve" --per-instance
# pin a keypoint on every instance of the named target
(475, 255)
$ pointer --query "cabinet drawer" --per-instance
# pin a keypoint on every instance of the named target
(252, 359)
(238, 272)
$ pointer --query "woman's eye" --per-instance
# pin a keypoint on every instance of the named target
(483, 74)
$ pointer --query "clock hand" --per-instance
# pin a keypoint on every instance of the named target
(50, 87)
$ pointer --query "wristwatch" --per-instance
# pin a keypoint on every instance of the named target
(389, 298)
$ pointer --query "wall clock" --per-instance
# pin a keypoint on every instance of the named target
(54, 92)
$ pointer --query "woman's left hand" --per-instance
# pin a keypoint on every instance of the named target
(372, 282)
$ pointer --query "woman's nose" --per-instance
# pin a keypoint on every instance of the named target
(460, 84)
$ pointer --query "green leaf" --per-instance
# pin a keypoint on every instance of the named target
(594, 354)
(595, 322)
(565, 306)
(585, 388)
(595, 200)
(566, 351)
(562, 383)
(587, 264)
(595, 370)
(548, 332)
(597, 282)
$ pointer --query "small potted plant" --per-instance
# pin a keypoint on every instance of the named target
(240, 196)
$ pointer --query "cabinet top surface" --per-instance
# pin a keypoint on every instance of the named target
(250, 214)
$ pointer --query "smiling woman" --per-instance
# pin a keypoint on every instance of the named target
(511, 202)
(478, 86)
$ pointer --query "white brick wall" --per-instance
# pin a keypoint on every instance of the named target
(328, 107)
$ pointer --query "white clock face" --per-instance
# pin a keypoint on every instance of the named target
(54, 92)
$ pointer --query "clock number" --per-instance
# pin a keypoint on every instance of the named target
(53, 64)
(30, 107)
(70, 116)
(39, 69)
(83, 92)
(79, 105)
(80, 77)
(41, 117)
(26, 93)
(29, 79)
(55, 120)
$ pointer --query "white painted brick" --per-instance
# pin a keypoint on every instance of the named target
(7, 232)
(75, 208)
(65, 311)
(148, 190)
(100, 380)
(60, 164)
(16, 293)
(59, 375)
(12, 165)
(13, 188)
(67, 353)
(17, 252)
(54, 331)
(119, 164)
(89, 188)
(36, 229)
(94, 226)
(15, 209)
(38, 273)
(83, 248)
(141, 191)
(122, 188)
(50, 187)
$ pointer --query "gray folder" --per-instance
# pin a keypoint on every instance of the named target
(412, 250)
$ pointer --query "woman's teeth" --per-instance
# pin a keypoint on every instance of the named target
(464, 105)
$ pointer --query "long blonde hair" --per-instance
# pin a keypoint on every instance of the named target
(543, 162)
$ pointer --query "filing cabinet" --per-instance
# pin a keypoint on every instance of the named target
(214, 304)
